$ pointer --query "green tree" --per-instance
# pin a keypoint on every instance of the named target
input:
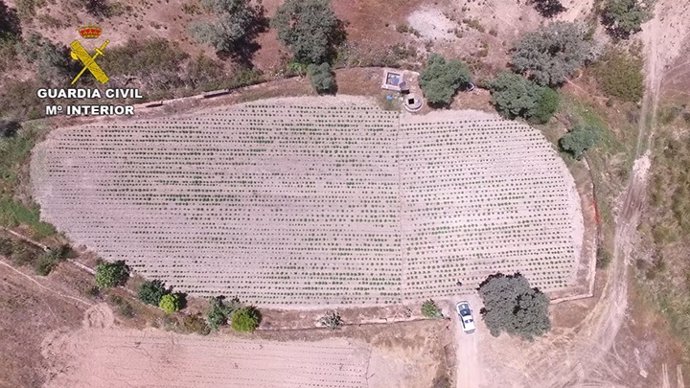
(170, 303)
(219, 311)
(579, 139)
(237, 24)
(511, 305)
(548, 8)
(322, 78)
(310, 29)
(10, 26)
(441, 79)
(515, 96)
(552, 53)
(151, 292)
(111, 274)
(622, 18)
(245, 319)
(620, 75)
(431, 310)
(547, 105)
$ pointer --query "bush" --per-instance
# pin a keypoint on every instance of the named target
(204, 74)
(431, 310)
(441, 79)
(551, 54)
(511, 305)
(620, 75)
(237, 24)
(219, 312)
(310, 29)
(195, 323)
(548, 8)
(579, 139)
(622, 18)
(547, 105)
(53, 61)
(45, 265)
(245, 319)
(9, 128)
(151, 292)
(10, 26)
(111, 274)
(322, 78)
(123, 306)
(603, 258)
(170, 303)
(154, 63)
(515, 96)
(49, 260)
(331, 320)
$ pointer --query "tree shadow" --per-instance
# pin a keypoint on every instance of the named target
(244, 51)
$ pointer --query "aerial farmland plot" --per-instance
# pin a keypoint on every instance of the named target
(308, 201)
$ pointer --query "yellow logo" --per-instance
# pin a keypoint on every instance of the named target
(79, 53)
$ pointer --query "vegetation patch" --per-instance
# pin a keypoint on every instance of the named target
(619, 74)
(441, 79)
(515, 96)
(511, 305)
(14, 152)
(112, 274)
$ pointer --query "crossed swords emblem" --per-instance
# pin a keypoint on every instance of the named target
(79, 53)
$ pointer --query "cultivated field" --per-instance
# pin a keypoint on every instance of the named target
(316, 200)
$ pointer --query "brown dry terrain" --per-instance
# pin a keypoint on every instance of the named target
(99, 355)
(30, 308)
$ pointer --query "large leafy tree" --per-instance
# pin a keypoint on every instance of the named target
(441, 79)
(511, 305)
(551, 54)
(151, 292)
(237, 23)
(514, 96)
(310, 29)
(579, 139)
(623, 18)
(111, 274)
(245, 319)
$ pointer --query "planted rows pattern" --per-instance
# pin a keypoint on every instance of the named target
(285, 202)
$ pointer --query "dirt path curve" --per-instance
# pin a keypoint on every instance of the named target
(577, 357)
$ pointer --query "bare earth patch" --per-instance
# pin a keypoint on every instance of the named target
(115, 357)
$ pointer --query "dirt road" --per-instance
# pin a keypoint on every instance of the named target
(468, 369)
(578, 357)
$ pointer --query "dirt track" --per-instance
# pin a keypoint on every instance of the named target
(582, 356)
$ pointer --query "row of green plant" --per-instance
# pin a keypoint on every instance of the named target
(154, 292)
